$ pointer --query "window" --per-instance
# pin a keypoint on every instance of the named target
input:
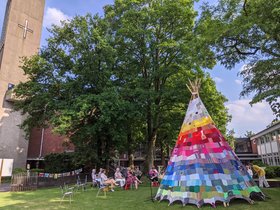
(276, 158)
(10, 86)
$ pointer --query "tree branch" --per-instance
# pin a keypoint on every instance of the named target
(244, 7)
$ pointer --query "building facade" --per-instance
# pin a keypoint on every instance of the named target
(43, 142)
(21, 35)
(245, 150)
(268, 144)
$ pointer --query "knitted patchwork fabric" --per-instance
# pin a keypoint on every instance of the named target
(203, 168)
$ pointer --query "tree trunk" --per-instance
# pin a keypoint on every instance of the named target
(130, 159)
(163, 153)
(99, 152)
(129, 148)
(150, 150)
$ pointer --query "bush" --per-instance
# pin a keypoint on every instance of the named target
(259, 163)
(277, 171)
(272, 171)
(37, 170)
(6, 179)
(18, 170)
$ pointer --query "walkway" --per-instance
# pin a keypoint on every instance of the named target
(5, 187)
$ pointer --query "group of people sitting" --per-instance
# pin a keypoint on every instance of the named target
(123, 178)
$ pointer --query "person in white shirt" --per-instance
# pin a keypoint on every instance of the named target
(93, 176)
(249, 170)
(108, 181)
(119, 177)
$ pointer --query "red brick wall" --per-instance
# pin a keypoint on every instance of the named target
(254, 146)
(52, 143)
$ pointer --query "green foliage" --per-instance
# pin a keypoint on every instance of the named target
(272, 171)
(230, 138)
(18, 170)
(39, 170)
(157, 52)
(247, 31)
(259, 163)
(60, 162)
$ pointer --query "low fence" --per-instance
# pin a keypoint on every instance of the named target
(24, 181)
(31, 181)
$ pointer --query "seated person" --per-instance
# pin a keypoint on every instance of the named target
(93, 176)
(137, 172)
(124, 172)
(119, 177)
(153, 174)
(107, 181)
(131, 179)
(98, 176)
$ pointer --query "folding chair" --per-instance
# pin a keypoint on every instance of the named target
(101, 186)
(66, 192)
(80, 184)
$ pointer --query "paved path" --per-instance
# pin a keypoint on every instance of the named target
(5, 187)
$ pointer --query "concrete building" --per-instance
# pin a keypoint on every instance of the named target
(268, 144)
(21, 35)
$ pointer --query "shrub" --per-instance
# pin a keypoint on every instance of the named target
(259, 163)
(18, 170)
(37, 170)
(277, 171)
(270, 172)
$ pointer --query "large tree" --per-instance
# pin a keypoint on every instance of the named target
(155, 44)
(248, 31)
(69, 88)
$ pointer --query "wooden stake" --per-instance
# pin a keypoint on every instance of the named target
(1, 168)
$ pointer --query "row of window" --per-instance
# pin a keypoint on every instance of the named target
(268, 159)
(270, 137)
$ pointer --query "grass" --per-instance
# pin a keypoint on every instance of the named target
(118, 200)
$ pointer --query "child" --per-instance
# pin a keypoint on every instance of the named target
(249, 170)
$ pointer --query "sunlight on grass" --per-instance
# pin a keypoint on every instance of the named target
(6, 200)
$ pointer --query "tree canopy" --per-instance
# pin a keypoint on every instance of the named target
(248, 31)
(111, 83)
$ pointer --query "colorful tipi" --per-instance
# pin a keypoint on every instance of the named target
(203, 168)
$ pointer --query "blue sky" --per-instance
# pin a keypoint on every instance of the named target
(244, 117)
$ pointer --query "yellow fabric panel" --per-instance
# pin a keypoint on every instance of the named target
(196, 123)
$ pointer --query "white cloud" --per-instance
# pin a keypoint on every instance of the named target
(54, 16)
(249, 118)
(237, 81)
(218, 79)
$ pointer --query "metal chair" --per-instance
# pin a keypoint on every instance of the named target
(80, 184)
(101, 186)
(66, 192)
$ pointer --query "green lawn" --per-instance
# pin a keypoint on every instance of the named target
(118, 200)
